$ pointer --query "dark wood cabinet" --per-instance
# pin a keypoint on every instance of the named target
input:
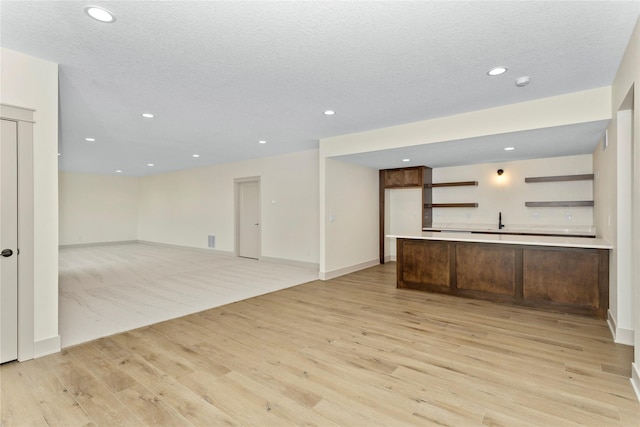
(393, 178)
(566, 279)
(412, 177)
(404, 177)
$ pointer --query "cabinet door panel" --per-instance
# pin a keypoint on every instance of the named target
(412, 178)
(393, 178)
(566, 277)
(486, 268)
(426, 263)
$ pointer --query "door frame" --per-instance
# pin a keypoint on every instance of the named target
(236, 216)
(24, 119)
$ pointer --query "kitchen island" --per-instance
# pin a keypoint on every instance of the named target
(568, 274)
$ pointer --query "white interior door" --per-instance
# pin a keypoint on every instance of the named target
(9, 241)
(249, 219)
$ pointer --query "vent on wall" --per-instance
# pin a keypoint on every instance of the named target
(212, 241)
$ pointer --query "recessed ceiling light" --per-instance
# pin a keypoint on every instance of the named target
(149, 164)
(90, 139)
(262, 142)
(148, 115)
(196, 155)
(118, 171)
(497, 71)
(406, 160)
(509, 148)
(329, 113)
(100, 14)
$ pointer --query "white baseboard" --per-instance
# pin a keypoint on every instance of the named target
(620, 335)
(191, 248)
(292, 262)
(85, 245)
(635, 379)
(346, 270)
(624, 336)
(46, 347)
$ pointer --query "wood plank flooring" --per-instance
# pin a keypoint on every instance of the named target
(106, 289)
(352, 351)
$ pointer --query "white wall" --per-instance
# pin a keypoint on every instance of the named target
(613, 215)
(577, 107)
(33, 83)
(97, 208)
(183, 208)
(403, 216)
(508, 194)
(350, 215)
(604, 191)
(627, 80)
(605, 220)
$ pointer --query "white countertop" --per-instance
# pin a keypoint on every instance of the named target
(514, 229)
(568, 242)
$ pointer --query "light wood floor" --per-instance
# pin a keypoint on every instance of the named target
(106, 289)
(352, 351)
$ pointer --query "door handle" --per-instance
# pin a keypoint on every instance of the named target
(6, 253)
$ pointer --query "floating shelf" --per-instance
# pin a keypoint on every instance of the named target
(452, 184)
(558, 204)
(451, 205)
(584, 177)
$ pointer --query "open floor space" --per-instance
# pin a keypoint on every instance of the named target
(146, 146)
(106, 289)
(349, 351)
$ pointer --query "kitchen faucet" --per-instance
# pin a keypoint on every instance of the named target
(500, 224)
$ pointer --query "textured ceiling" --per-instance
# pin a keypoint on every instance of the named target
(547, 142)
(219, 76)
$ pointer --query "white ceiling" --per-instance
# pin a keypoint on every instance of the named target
(219, 76)
(548, 142)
